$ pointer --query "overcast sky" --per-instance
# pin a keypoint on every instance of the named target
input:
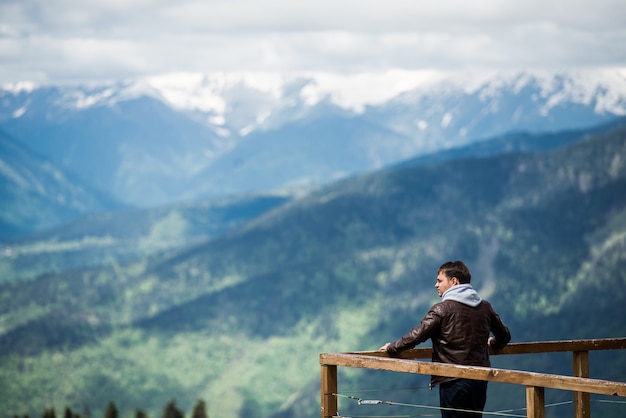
(51, 41)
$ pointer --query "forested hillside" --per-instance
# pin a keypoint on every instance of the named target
(119, 236)
(240, 320)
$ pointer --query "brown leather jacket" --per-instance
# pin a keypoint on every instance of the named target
(459, 334)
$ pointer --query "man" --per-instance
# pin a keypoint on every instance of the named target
(459, 327)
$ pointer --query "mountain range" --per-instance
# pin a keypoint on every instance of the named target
(166, 139)
(238, 316)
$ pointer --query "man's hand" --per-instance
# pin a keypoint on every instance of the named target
(490, 341)
(384, 347)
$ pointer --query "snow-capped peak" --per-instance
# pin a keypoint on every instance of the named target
(205, 92)
(607, 87)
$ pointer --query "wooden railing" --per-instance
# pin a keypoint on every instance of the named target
(535, 383)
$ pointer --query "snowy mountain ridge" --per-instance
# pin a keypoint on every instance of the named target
(160, 139)
(244, 101)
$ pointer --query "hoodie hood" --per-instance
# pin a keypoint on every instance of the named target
(463, 293)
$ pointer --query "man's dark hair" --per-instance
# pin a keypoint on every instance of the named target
(456, 269)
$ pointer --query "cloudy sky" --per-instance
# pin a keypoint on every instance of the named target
(52, 41)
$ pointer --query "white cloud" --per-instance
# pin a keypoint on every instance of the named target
(70, 40)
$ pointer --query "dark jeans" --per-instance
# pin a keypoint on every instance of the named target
(463, 394)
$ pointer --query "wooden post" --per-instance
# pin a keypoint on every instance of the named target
(582, 400)
(329, 389)
(535, 402)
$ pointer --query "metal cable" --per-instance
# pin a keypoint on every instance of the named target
(506, 412)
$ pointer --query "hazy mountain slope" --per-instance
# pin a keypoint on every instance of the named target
(138, 148)
(119, 236)
(240, 320)
(303, 154)
(37, 194)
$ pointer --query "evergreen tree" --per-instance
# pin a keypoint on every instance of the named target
(199, 411)
(111, 411)
(140, 414)
(171, 411)
(49, 413)
(68, 412)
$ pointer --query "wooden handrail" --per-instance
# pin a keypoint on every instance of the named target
(553, 381)
(535, 383)
(522, 348)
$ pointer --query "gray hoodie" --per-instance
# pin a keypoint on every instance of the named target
(463, 293)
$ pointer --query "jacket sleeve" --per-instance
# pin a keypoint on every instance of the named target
(500, 332)
(429, 324)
